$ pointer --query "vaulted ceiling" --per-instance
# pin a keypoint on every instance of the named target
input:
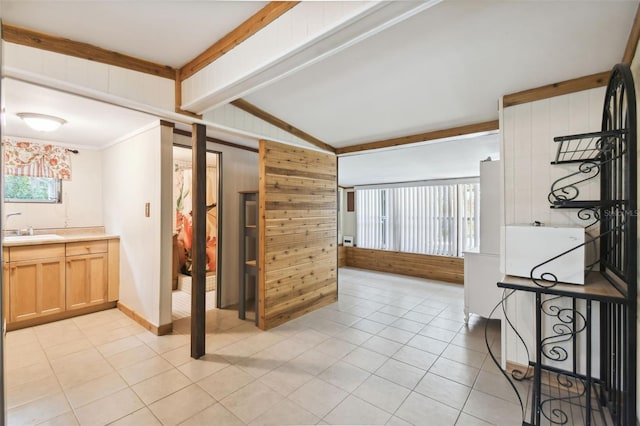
(443, 67)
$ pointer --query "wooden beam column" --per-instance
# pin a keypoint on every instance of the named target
(198, 243)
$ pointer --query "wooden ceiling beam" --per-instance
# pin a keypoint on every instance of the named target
(557, 89)
(632, 42)
(31, 38)
(275, 121)
(255, 23)
(422, 137)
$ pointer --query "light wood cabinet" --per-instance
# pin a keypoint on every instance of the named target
(62, 278)
(36, 282)
(87, 280)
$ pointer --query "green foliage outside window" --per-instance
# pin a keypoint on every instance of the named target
(25, 188)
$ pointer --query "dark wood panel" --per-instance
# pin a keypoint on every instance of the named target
(556, 89)
(298, 232)
(441, 268)
(52, 43)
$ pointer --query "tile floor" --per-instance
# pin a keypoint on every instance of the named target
(393, 350)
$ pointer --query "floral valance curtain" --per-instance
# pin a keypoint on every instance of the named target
(36, 160)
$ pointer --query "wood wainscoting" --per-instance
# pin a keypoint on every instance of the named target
(441, 268)
(298, 230)
(342, 256)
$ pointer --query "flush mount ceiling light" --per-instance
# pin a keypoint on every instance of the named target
(41, 122)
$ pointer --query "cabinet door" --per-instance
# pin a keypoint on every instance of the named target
(36, 288)
(86, 280)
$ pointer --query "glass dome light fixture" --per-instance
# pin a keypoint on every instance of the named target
(41, 122)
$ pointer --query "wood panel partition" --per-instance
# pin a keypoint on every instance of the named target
(298, 270)
(441, 268)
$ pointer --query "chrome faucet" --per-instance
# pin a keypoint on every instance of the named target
(6, 219)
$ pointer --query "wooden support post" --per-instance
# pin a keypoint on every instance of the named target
(198, 244)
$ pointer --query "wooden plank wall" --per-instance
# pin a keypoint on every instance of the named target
(441, 268)
(342, 256)
(297, 232)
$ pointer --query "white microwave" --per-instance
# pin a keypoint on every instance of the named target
(527, 246)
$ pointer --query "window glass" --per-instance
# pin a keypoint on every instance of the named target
(26, 189)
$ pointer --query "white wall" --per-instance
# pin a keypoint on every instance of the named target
(239, 173)
(83, 74)
(527, 150)
(81, 197)
(138, 171)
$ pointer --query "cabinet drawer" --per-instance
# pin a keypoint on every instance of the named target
(87, 247)
(18, 254)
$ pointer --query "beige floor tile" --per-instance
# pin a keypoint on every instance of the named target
(400, 373)
(492, 409)
(335, 347)
(382, 393)
(448, 324)
(95, 389)
(369, 326)
(38, 411)
(198, 369)
(345, 376)
(415, 357)
(20, 356)
(444, 390)
(80, 367)
(64, 349)
(396, 311)
(143, 370)
(21, 337)
(259, 364)
(313, 362)
(130, 357)
(162, 344)
(455, 371)
(54, 334)
(416, 408)
(216, 414)
(66, 419)
(311, 337)
(467, 420)
(354, 336)
(419, 317)
(327, 327)
(109, 408)
(30, 374)
(365, 359)
(464, 356)
(396, 334)
(382, 318)
(225, 382)
(408, 325)
(181, 405)
(426, 309)
(397, 421)
(286, 379)
(476, 343)
(119, 345)
(157, 387)
(179, 356)
(318, 397)
(354, 411)
(438, 333)
(285, 412)
(382, 346)
(497, 385)
(427, 344)
(249, 402)
(31, 391)
(142, 417)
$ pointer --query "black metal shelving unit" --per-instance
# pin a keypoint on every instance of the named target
(566, 386)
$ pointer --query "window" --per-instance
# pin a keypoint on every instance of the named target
(27, 189)
(428, 219)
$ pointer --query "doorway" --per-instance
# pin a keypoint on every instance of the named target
(182, 232)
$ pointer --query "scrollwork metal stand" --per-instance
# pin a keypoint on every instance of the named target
(568, 385)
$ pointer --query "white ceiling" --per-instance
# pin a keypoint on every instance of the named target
(443, 159)
(166, 32)
(89, 124)
(447, 66)
(444, 67)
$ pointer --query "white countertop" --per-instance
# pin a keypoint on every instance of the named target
(30, 240)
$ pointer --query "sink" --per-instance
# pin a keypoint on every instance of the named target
(43, 237)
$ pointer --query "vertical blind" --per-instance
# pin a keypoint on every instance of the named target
(428, 219)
